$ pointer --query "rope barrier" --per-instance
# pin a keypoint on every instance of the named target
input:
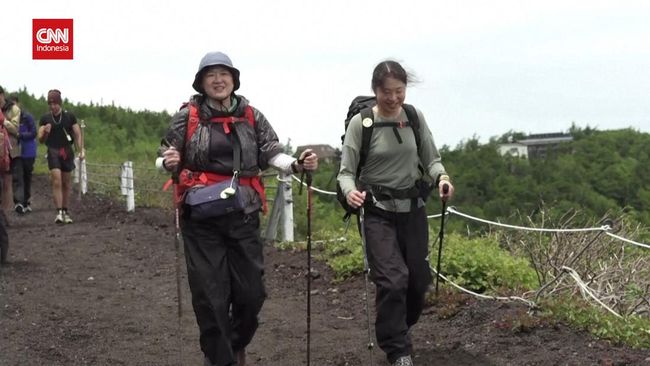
(602, 228)
(628, 241)
(314, 188)
(437, 216)
(585, 290)
(530, 303)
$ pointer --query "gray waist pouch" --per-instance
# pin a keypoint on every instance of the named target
(207, 202)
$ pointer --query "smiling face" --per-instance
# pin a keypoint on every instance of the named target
(389, 80)
(218, 83)
(390, 96)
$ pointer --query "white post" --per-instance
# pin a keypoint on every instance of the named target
(276, 212)
(81, 164)
(76, 172)
(127, 185)
(84, 177)
(123, 179)
(287, 212)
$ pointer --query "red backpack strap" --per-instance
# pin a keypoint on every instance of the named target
(227, 121)
(250, 116)
(192, 121)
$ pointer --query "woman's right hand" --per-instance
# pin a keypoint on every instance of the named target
(355, 198)
(171, 158)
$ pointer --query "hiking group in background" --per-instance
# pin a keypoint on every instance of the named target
(22, 163)
(18, 152)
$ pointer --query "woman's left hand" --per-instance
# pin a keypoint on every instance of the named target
(445, 194)
(309, 160)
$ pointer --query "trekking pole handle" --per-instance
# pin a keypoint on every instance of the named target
(302, 175)
(175, 172)
(445, 188)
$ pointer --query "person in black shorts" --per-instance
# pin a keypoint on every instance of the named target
(59, 131)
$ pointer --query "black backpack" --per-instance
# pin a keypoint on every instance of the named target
(363, 105)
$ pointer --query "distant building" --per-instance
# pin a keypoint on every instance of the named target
(536, 146)
(326, 153)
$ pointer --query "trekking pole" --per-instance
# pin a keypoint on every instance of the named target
(177, 265)
(177, 249)
(366, 273)
(441, 235)
(309, 204)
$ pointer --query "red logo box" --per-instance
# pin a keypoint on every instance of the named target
(52, 39)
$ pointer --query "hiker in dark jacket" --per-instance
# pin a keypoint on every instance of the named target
(395, 221)
(22, 165)
(217, 139)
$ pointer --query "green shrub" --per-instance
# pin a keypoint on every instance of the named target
(480, 264)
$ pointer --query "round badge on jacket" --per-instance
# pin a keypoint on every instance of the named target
(367, 122)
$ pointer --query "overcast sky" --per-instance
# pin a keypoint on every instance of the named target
(484, 67)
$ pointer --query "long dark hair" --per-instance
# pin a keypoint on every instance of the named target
(389, 68)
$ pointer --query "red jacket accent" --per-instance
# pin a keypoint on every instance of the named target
(188, 179)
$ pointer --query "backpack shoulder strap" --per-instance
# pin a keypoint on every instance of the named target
(366, 134)
(192, 121)
(193, 118)
(414, 120)
(250, 116)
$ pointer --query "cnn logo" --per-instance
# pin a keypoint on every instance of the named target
(52, 39)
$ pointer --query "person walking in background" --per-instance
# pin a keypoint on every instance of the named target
(11, 122)
(4, 237)
(395, 222)
(58, 130)
(22, 166)
(218, 140)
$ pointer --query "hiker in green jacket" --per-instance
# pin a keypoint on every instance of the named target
(395, 222)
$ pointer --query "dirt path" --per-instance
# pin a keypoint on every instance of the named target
(102, 291)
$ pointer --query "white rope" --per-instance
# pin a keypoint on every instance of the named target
(586, 290)
(436, 216)
(288, 180)
(602, 228)
(314, 188)
(628, 241)
(499, 298)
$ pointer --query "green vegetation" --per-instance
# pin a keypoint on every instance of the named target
(601, 174)
(633, 330)
(480, 264)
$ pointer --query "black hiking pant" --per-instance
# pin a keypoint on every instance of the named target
(21, 171)
(397, 247)
(225, 267)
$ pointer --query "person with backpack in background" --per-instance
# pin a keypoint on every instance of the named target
(22, 166)
(10, 129)
(58, 130)
(390, 187)
(216, 147)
